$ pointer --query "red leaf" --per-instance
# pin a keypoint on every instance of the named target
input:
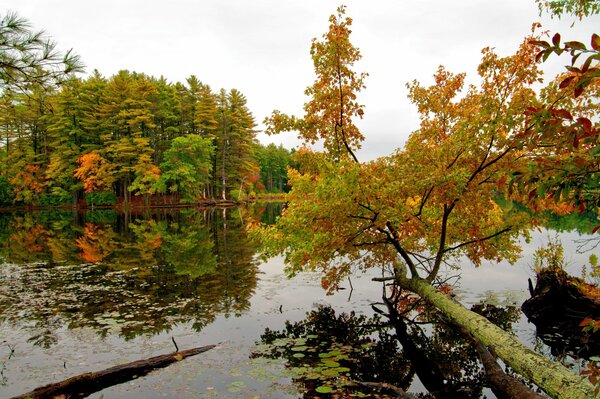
(532, 193)
(502, 181)
(540, 43)
(566, 82)
(563, 113)
(596, 42)
(581, 207)
(556, 39)
(577, 92)
(532, 110)
(586, 124)
(539, 55)
(595, 229)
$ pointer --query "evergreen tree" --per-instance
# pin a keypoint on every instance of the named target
(235, 140)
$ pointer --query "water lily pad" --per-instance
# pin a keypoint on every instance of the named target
(330, 363)
(324, 389)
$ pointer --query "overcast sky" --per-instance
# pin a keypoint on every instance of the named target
(261, 47)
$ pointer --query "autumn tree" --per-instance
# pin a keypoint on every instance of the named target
(563, 133)
(94, 171)
(332, 107)
(413, 212)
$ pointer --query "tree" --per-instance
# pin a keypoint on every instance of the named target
(66, 138)
(234, 142)
(332, 106)
(187, 167)
(165, 118)
(562, 136)
(94, 171)
(413, 212)
(273, 162)
(31, 57)
(578, 8)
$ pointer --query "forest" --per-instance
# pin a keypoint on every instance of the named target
(128, 138)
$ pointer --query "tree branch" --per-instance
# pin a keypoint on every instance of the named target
(478, 240)
(440, 252)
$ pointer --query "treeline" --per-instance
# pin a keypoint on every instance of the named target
(132, 137)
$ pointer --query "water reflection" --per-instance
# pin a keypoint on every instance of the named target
(123, 274)
(350, 355)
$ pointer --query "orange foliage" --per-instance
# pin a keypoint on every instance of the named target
(93, 244)
(93, 171)
(28, 179)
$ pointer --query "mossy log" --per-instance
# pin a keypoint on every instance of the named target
(555, 379)
(503, 385)
(86, 384)
(558, 304)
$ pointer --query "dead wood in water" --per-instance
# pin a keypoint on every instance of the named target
(558, 304)
(86, 384)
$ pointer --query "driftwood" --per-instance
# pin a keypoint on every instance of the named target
(86, 384)
(557, 307)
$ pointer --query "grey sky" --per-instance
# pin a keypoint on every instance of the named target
(261, 47)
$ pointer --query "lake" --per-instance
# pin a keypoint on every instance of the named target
(83, 292)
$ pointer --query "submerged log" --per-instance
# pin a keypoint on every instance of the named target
(554, 378)
(86, 384)
(558, 305)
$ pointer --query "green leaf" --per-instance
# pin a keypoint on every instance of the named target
(330, 363)
(324, 389)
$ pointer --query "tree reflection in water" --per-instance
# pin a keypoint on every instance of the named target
(350, 355)
(141, 274)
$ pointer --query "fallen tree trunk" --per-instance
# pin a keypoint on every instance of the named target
(86, 384)
(555, 379)
(502, 384)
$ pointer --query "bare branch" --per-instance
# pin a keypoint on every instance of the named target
(478, 240)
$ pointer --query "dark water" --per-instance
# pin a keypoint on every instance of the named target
(85, 292)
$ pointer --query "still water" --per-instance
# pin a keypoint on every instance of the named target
(83, 292)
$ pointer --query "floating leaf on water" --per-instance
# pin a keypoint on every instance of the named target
(330, 363)
(299, 370)
(326, 355)
(330, 373)
(324, 389)
(298, 355)
(299, 348)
